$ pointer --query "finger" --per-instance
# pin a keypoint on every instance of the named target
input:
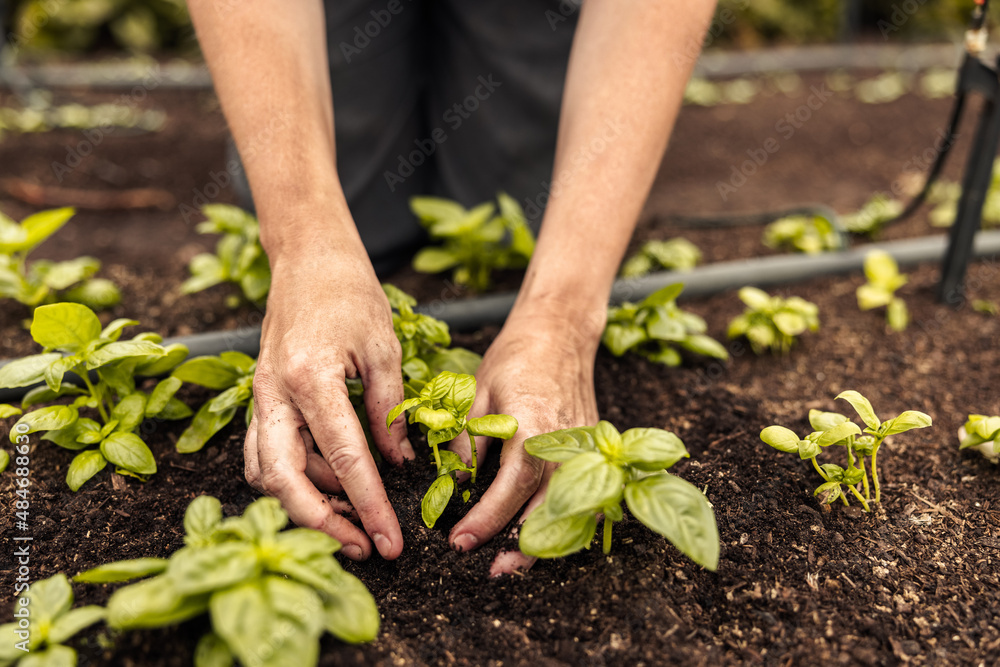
(383, 392)
(251, 468)
(508, 562)
(321, 474)
(281, 454)
(519, 477)
(342, 443)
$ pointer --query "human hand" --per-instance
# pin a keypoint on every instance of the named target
(540, 369)
(327, 320)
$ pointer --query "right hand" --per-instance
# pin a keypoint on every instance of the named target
(327, 320)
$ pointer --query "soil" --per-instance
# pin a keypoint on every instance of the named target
(799, 583)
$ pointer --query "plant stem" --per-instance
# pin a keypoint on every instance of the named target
(94, 393)
(475, 458)
(607, 534)
(878, 489)
(437, 457)
(868, 492)
(860, 497)
(819, 470)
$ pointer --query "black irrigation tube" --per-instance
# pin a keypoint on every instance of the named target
(471, 314)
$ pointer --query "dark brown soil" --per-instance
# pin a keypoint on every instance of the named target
(798, 584)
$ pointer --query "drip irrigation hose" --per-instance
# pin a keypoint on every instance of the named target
(471, 314)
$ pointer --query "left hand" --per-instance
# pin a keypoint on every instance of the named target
(540, 369)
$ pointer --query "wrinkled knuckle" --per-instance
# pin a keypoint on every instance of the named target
(344, 462)
(385, 354)
(299, 371)
(528, 473)
(270, 481)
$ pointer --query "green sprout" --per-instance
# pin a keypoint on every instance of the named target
(599, 468)
(982, 433)
(772, 322)
(239, 257)
(831, 428)
(45, 622)
(75, 343)
(869, 219)
(676, 254)
(42, 281)
(884, 279)
(231, 374)
(811, 234)
(655, 328)
(270, 594)
(986, 307)
(442, 410)
(475, 242)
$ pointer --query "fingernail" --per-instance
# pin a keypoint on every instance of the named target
(407, 450)
(382, 543)
(353, 551)
(465, 542)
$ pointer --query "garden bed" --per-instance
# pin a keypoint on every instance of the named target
(915, 582)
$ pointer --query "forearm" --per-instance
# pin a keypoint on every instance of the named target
(627, 72)
(268, 61)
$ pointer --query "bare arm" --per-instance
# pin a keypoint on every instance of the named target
(327, 317)
(627, 73)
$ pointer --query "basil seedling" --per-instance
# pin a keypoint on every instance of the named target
(655, 328)
(676, 254)
(230, 373)
(270, 593)
(239, 257)
(47, 606)
(884, 279)
(831, 428)
(43, 281)
(601, 467)
(811, 234)
(442, 410)
(771, 322)
(868, 220)
(982, 433)
(475, 242)
(75, 343)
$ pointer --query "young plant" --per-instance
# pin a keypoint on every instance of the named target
(75, 343)
(831, 428)
(982, 433)
(230, 373)
(811, 234)
(239, 257)
(43, 281)
(270, 595)
(655, 328)
(475, 242)
(601, 467)
(677, 254)
(868, 220)
(442, 410)
(45, 621)
(771, 322)
(884, 279)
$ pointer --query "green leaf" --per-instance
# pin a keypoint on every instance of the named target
(434, 260)
(242, 362)
(7, 411)
(754, 298)
(58, 368)
(705, 346)
(173, 354)
(206, 271)
(897, 315)
(456, 359)
(808, 449)
(77, 435)
(853, 476)
(584, 484)
(451, 462)
(398, 410)
(97, 293)
(233, 397)
(304, 544)
(561, 446)
(660, 326)
(455, 392)
(824, 421)
(493, 426)
(872, 296)
(781, 438)
(176, 409)
(61, 275)
(4, 460)
(211, 372)
(837, 434)
(435, 208)
(212, 567)
(114, 330)
(123, 350)
(435, 420)
(204, 425)
(128, 451)
(680, 512)
(212, 651)
(397, 297)
(51, 418)
(73, 621)
(862, 406)
(833, 488)
(663, 296)
(620, 338)
(65, 326)
(349, 611)
(48, 599)
(45, 395)
(26, 371)
(152, 603)
(789, 323)
(265, 517)
(652, 448)
(130, 412)
(436, 499)
(202, 516)
(41, 226)
(545, 536)
(122, 570)
(608, 440)
(55, 655)
(84, 466)
(906, 421)
(161, 395)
